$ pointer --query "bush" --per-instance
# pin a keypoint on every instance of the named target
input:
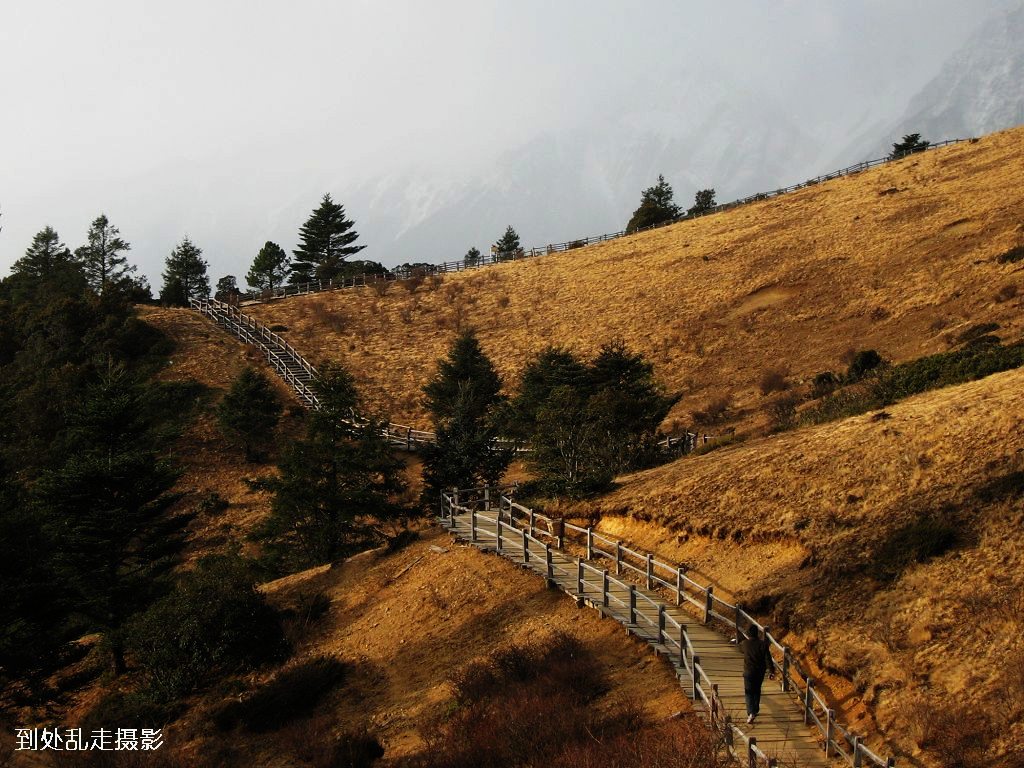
(774, 380)
(781, 412)
(293, 693)
(214, 621)
(824, 383)
(1011, 256)
(976, 332)
(211, 503)
(864, 361)
(715, 411)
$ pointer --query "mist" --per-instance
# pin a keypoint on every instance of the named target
(227, 121)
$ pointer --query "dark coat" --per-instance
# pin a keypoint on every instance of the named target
(756, 658)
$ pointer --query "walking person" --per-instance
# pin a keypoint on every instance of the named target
(757, 661)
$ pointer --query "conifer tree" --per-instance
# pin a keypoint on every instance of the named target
(656, 207)
(911, 143)
(249, 412)
(102, 258)
(334, 488)
(472, 257)
(508, 243)
(46, 254)
(269, 269)
(464, 399)
(227, 289)
(703, 201)
(107, 505)
(185, 275)
(325, 242)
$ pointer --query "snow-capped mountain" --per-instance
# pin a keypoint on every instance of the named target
(979, 89)
(698, 130)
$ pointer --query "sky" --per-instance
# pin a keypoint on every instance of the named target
(220, 119)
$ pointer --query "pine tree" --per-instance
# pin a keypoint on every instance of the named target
(656, 207)
(102, 258)
(336, 487)
(227, 289)
(185, 275)
(911, 143)
(508, 243)
(46, 254)
(472, 257)
(325, 242)
(465, 400)
(249, 412)
(703, 201)
(107, 506)
(269, 268)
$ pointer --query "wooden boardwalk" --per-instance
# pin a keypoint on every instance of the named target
(779, 731)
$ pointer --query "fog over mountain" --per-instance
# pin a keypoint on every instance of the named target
(437, 125)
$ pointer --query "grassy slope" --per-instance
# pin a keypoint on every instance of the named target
(899, 258)
(803, 524)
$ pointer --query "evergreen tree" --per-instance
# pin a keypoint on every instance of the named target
(269, 268)
(249, 412)
(325, 242)
(464, 400)
(703, 202)
(46, 255)
(508, 243)
(334, 488)
(911, 143)
(227, 289)
(551, 368)
(185, 275)
(656, 207)
(102, 258)
(107, 505)
(472, 257)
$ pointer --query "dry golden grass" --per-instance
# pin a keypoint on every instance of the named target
(899, 258)
(795, 524)
(407, 621)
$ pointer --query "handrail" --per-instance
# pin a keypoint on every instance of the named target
(497, 257)
(839, 741)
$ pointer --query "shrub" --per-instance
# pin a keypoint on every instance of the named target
(864, 361)
(715, 411)
(1006, 293)
(278, 328)
(414, 280)
(1011, 256)
(213, 621)
(316, 742)
(824, 384)
(774, 380)
(718, 442)
(781, 412)
(976, 332)
(211, 503)
(293, 693)
(249, 413)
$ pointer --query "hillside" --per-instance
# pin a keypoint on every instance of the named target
(901, 258)
(887, 545)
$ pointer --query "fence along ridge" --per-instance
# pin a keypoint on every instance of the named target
(393, 275)
(542, 531)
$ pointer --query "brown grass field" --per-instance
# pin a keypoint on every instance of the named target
(900, 258)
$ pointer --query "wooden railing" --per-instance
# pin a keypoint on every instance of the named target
(529, 528)
(460, 265)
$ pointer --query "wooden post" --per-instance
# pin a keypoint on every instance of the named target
(751, 755)
(560, 532)
(680, 573)
(487, 502)
(696, 678)
(618, 558)
(714, 704)
(728, 731)
(708, 603)
(455, 496)
(579, 576)
(526, 548)
(472, 526)
(551, 565)
(604, 588)
(632, 604)
(590, 543)
(533, 522)
(830, 717)
(498, 539)
(890, 763)
(808, 699)
(682, 645)
(650, 570)
(661, 625)
(857, 754)
(408, 439)
(736, 621)
(785, 669)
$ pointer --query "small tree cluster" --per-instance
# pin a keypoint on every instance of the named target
(703, 201)
(911, 143)
(588, 421)
(508, 243)
(656, 207)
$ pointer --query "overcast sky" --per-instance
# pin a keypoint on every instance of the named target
(209, 118)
